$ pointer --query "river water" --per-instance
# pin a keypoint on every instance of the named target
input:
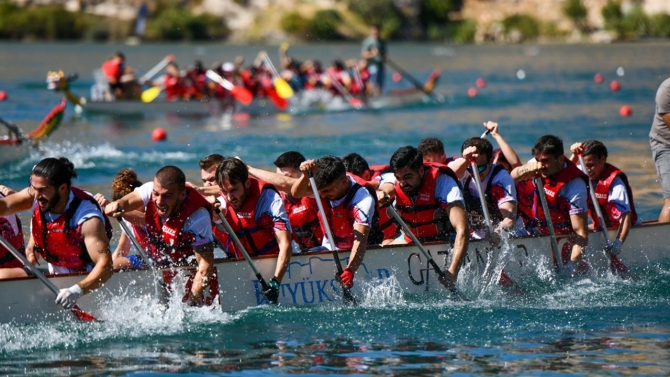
(595, 326)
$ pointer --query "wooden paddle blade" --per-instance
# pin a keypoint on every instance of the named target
(151, 93)
(242, 94)
(82, 315)
(283, 88)
(281, 103)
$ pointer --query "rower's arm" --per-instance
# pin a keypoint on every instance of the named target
(130, 202)
(625, 222)
(459, 220)
(122, 248)
(507, 151)
(204, 256)
(284, 257)
(97, 246)
(280, 181)
(30, 251)
(508, 212)
(301, 187)
(459, 166)
(359, 247)
(581, 237)
(17, 202)
(526, 171)
(666, 119)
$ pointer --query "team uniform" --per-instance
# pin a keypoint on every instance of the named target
(303, 214)
(11, 230)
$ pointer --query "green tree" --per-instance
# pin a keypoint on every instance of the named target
(577, 12)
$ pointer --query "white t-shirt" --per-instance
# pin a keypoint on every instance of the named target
(199, 223)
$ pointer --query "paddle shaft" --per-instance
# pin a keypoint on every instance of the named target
(550, 224)
(592, 191)
(239, 245)
(344, 92)
(409, 77)
(157, 68)
(482, 199)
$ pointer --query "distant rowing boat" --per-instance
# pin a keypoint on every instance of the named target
(307, 101)
(309, 279)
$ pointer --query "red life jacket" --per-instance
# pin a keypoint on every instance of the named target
(141, 235)
(169, 245)
(66, 247)
(602, 190)
(341, 221)
(559, 208)
(174, 89)
(7, 259)
(112, 69)
(378, 170)
(424, 216)
(257, 239)
(197, 87)
(303, 215)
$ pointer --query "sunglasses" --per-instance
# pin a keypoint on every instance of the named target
(480, 168)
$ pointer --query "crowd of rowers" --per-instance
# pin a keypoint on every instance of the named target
(275, 213)
(353, 77)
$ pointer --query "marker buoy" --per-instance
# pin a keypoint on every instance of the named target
(158, 134)
(396, 77)
(598, 78)
(472, 92)
(3, 95)
(614, 86)
(625, 111)
(480, 82)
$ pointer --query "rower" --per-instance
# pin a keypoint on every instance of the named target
(113, 69)
(432, 150)
(69, 229)
(499, 192)
(172, 82)
(11, 230)
(256, 213)
(615, 196)
(430, 200)
(565, 186)
(350, 209)
(178, 221)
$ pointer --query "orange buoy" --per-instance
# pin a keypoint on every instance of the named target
(480, 82)
(158, 134)
(598, 78)
(472, 92)
(396, 77)
(3, 95)
(614, 86)
(625, 111)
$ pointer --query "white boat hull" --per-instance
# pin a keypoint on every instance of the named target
(309, 279)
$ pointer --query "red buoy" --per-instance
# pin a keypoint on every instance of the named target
(158, 134)
(480, 82)
(3, 95)
(396, 77)
(598, 78)
(472, 92)
(625, 111)
(614, 86)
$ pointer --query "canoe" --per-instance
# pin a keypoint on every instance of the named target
(309, 279)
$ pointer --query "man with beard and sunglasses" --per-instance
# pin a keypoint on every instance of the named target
(430, 200)
(68, 228)
(499, 192)
(179, 226)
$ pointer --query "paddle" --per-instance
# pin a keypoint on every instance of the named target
(411, 78)
(233, 235)
(615, 263)
(160, 290)
(240, 93)
(153, 92)
(347, 297)
(281, 86)
(76, 310)
(558, 262)
(443, 277)
(355, 102)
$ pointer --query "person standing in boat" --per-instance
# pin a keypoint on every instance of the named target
(659, 140)
(566, 192)
(430, 200)
(374, 51)
(256, 213)
(499, 192)
(68, 227)
(178, 224)
(614, 194)
(113, 68)
(350, 209)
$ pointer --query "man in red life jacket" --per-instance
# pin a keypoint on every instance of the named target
(113, 69)
(69, 229)
(614, 194)
(350, 208)
(499, 192)
(11, 230)
(197, 81)
(566, 192)
(432, 150)
(178, 223)
(430, 200)
(256, 213)
(173, 84)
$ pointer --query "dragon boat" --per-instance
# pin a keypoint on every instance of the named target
(15, 145)
(308, 101)
(309, 280)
